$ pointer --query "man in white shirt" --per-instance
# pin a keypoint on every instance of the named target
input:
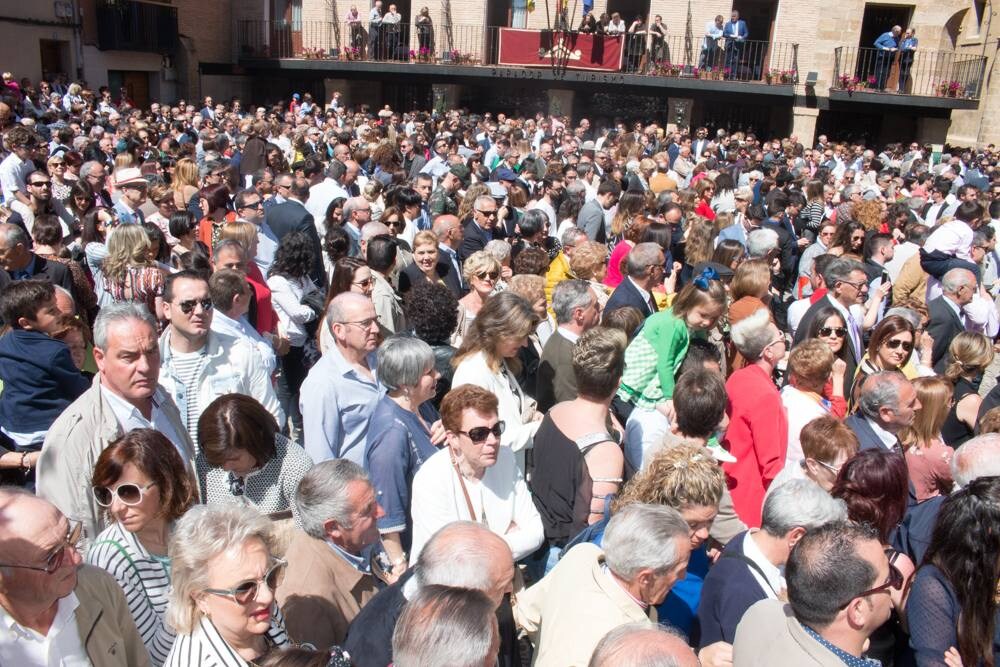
(710, 46)
(15, 168)
(231, 295)
(916, 236)
(552, 187)
(53, 609)
(324, 192)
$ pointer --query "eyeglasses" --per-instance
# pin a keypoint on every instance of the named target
(858, 286)
(40, 184)
(780, 339)
(894, 344)
(130, 494)
(488, 214)
(246, 592)
(254, 205)
(488, 275)
(834, 469)
(187, 307)
(895, 582)
(839, 332)
(363, 283)
(56, 558)
(479, 434)
(363, 324)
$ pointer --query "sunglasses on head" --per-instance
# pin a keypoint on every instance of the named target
(895, 344)
(839, 332)
(187, 307)
(479, 434)
(246, 592)
(128, 493)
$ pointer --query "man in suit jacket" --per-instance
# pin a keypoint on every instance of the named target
(848, 286)
(577, 310)
(886, 405)
(947, 320)
(292, 216)
(841, 557)
(591, 216)
(330, 576)
(17, 262)
(735, 33)
(480, 229)
(643, 271)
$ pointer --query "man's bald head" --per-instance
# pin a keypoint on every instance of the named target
(643, 645)
(373, 229)
(464, 554)
(978, 457)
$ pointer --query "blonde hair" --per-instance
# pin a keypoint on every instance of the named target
(426, 237)
(752, 278)
(528, 285)
(678, 476)
(700, 239)
(810, 364)
(479, 262)
(185, 174)
(243, 232)
(202, 534)
(474, 192)
(587, 260)
(934, 394)
(968, 353)
(504, 315)
(124, 161)
(128, 246)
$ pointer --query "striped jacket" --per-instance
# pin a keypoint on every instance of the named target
(145, 582)
(205, 647)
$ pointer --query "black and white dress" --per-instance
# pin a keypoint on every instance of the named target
(205, 647)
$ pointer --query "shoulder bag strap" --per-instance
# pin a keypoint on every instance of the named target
(131, 563)
(465, 492)
(753, 566)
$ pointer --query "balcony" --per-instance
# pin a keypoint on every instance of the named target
(940, 79)
(136, 26)
(769, 68)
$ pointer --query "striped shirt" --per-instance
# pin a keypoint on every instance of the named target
(145, 582)
(187, 368)
(205, 647)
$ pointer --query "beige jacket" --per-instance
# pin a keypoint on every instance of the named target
(106, 628)
(568, 612)
(71, 449)
(769, 636)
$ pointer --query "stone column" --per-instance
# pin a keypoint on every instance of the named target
(560, 102)
(804, 124)
(932, 130)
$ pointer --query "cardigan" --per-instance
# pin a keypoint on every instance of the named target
(757, 436)
(145, 582)
(500, 497)
(652, 360)
(39, 378)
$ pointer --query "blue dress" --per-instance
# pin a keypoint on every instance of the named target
(396, 446)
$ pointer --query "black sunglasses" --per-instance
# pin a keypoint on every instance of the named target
(839, 332)
(187, 307)
(894, 581)
(479, 434)
(894, 344)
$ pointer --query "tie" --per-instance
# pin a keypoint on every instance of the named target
(652, 304)
(855, 334)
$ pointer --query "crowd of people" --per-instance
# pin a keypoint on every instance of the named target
(304, 384)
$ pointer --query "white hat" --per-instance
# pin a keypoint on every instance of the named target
(129, 176)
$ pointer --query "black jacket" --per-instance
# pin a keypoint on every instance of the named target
(627, 295)
(291, 216)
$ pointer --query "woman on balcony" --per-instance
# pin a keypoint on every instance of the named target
(356, 29)
(425, 30)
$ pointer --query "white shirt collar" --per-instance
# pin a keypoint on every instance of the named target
(645, 295)
(568, 335)
(888, 439)
(775, 578)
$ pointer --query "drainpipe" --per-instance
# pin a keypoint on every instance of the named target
(986, 73)
(78, 37)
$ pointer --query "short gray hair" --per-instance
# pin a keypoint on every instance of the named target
(402, 361)
(907, 314)
(752, 334)
(642, 644)
(978, 457)
(880, 390)
(351, 205)
(336, 170)
(954, 280)
(800, 503)
(840, 270)
(12, 235)
(119, 312)
(643, 536)
(459, 554)
(641, 257)
(568, 296)
(322, 495)
(201, 534)
(483, 199)
(499, 249)
(570, 235)
(761, 241)
(86, 167)
(849, 191)
(443, 625)
(335, 309)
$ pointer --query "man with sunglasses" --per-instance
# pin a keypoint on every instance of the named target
(198, 365)
(839, 592)
(54, 609)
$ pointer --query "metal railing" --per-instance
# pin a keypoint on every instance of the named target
(924, 73)
(136, 26)
(752, 61)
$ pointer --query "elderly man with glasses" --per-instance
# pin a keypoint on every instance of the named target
(54, 609)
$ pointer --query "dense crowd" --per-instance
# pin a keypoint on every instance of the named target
(305, 384)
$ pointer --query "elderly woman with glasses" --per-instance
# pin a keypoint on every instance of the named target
(143, 484)
(401, 436)
(222, 594)
(243, 458)
(481, 271)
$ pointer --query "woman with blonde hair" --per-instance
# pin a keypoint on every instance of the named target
(185, 182)
(928, 458)
(749, 292)
(481, 271)
(870, 214)
(968, 357)
(631, 206)
(129, 273)
(590, 263)
(532, 288)
(488, 358)
(699, 237)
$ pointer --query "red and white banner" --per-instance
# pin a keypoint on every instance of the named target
(545, 48)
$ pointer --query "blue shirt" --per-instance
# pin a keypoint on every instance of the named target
(397, 445)
(337, 403)
(267, 246)
(886, 41)
(845, 657)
